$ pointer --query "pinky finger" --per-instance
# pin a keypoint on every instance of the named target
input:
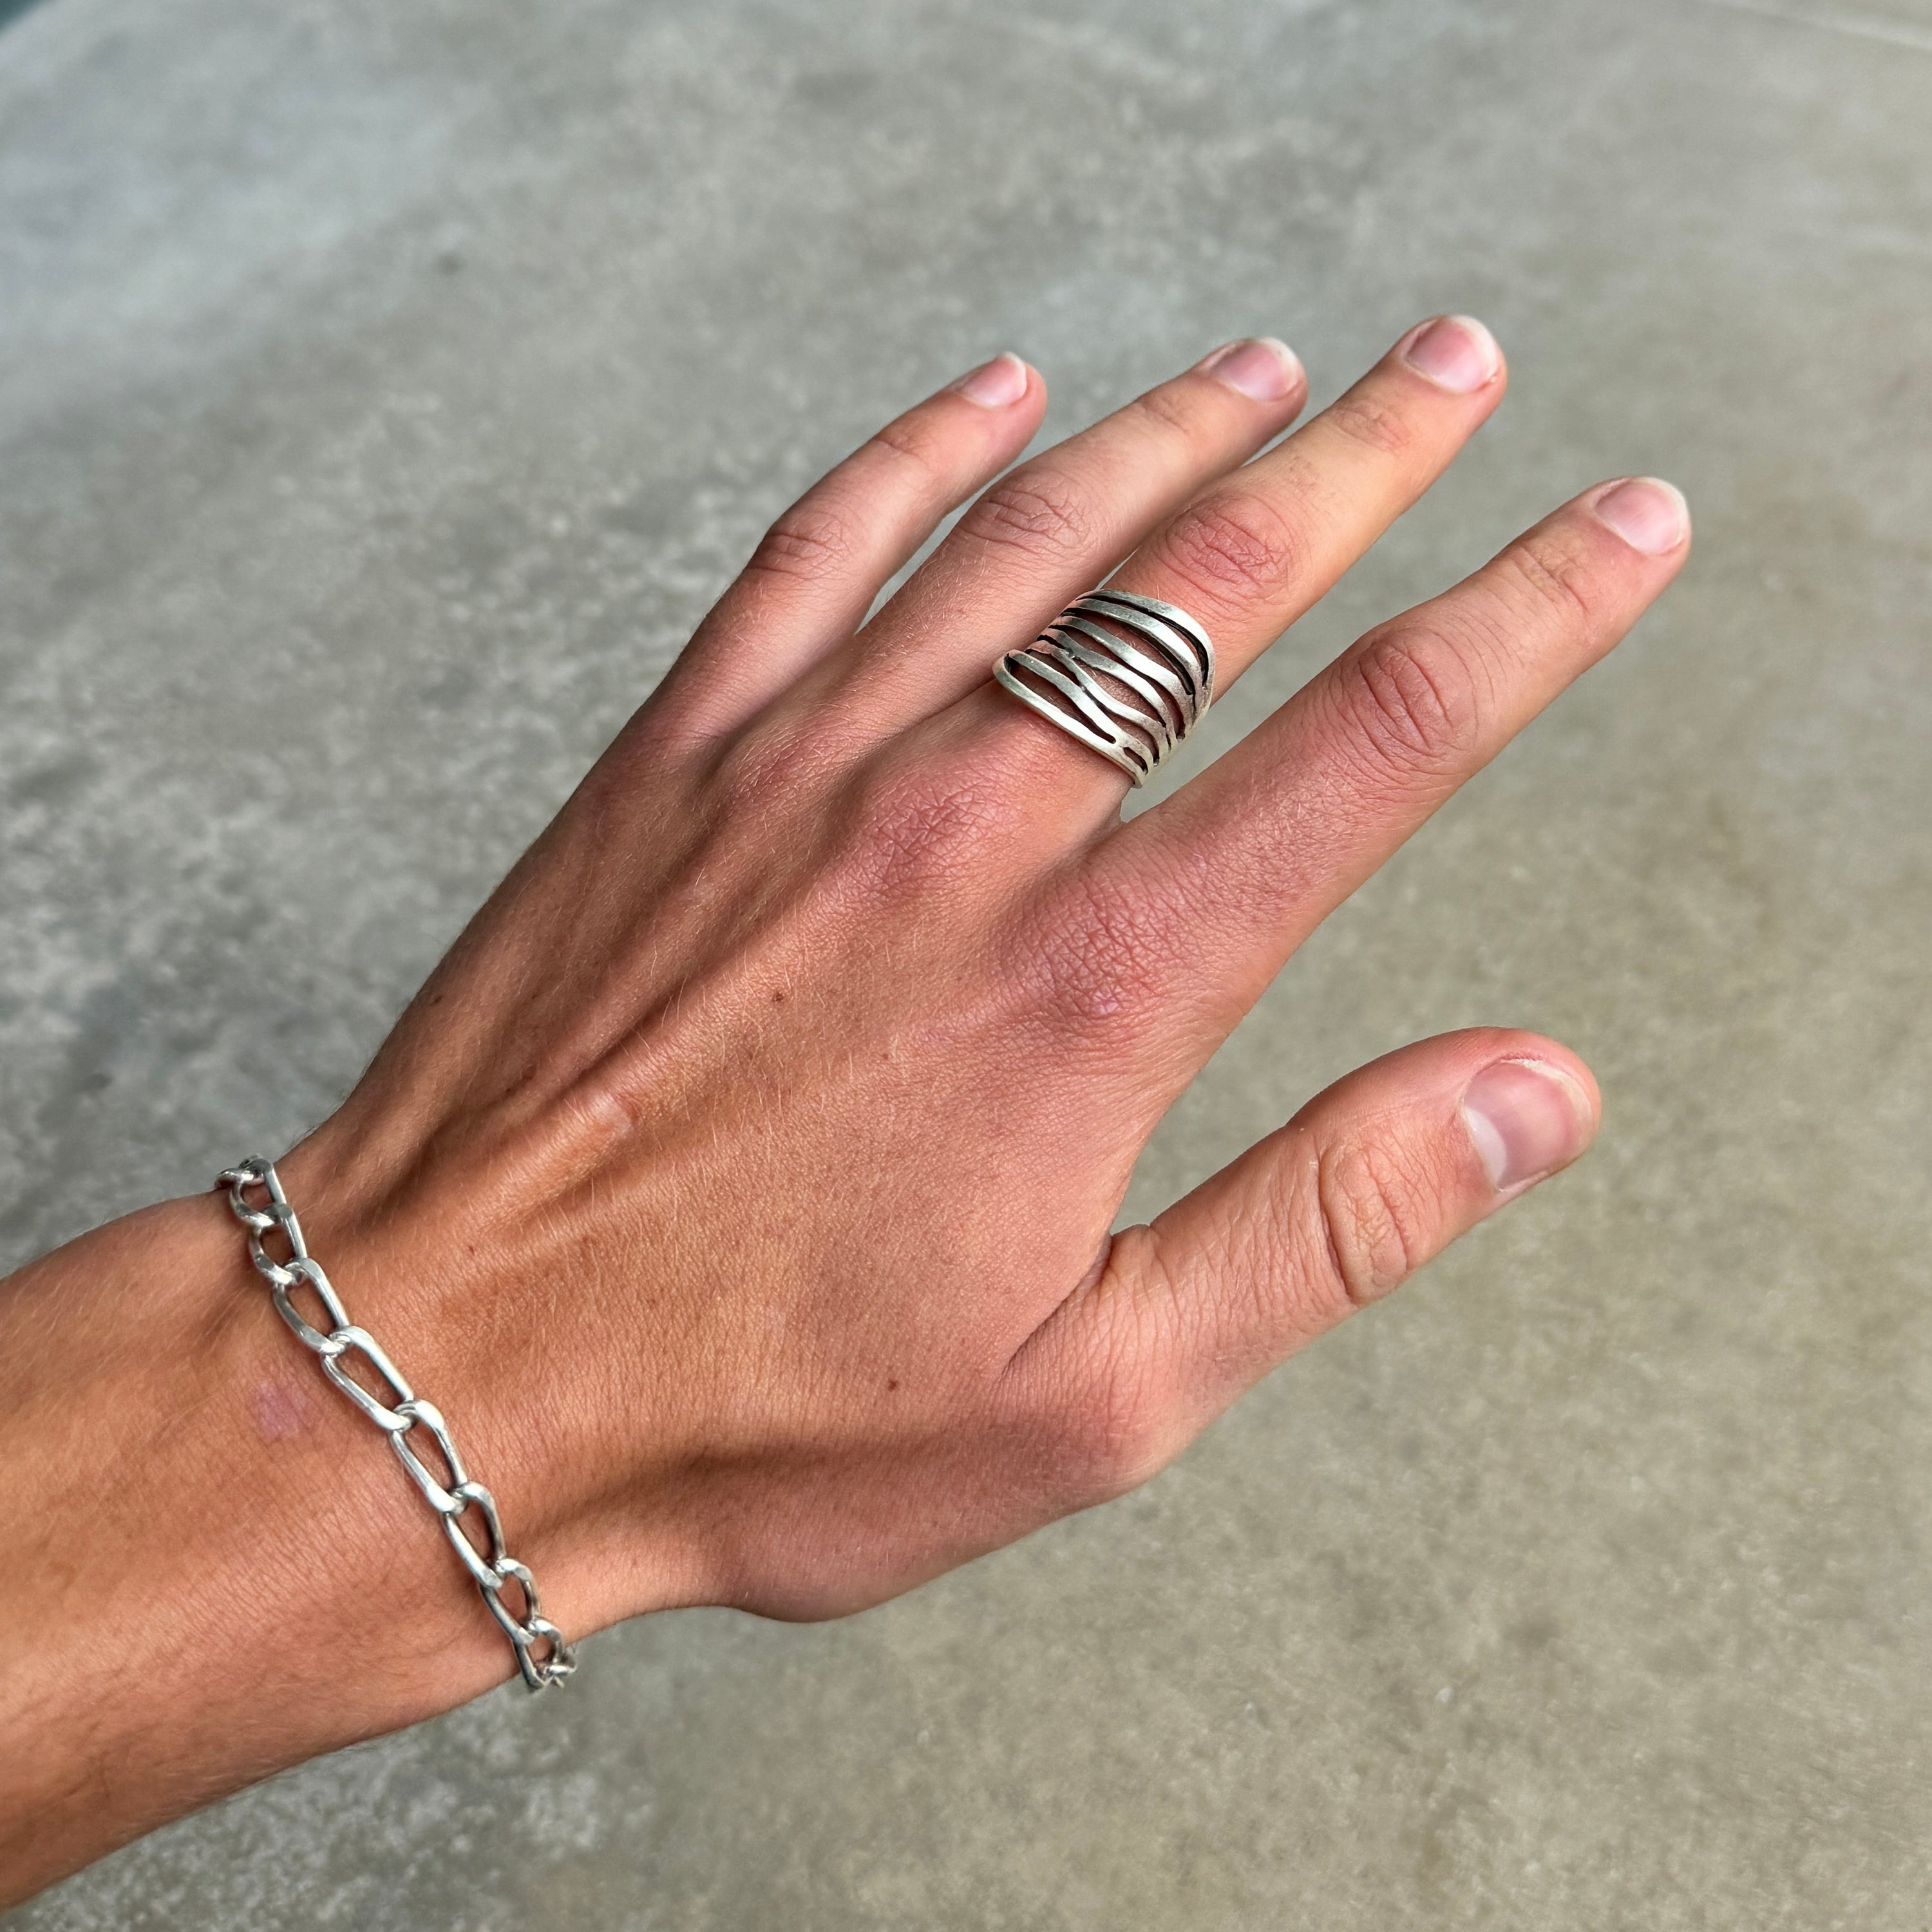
(814, 576)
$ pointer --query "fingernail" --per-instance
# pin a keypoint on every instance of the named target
(1649, 514)
(1526, 1118)
(1455, 352)
(995, 384)
(1258, 366)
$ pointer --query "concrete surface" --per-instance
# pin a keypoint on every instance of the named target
(386, 389)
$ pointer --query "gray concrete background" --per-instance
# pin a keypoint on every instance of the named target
(387, 388)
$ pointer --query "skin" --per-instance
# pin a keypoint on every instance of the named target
(740, 1185)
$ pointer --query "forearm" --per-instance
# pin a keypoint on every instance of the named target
(215, 1572)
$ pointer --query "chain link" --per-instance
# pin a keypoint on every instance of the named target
(492, 1568)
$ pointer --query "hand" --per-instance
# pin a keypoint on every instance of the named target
(760, 1140)
(740, 1185)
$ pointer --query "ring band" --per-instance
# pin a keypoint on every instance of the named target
(1128, 676)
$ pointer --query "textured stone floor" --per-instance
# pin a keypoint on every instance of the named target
(385, 387)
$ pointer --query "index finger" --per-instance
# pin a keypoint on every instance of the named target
(1255, 853)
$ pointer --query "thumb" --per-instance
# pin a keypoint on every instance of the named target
(1370, 1180)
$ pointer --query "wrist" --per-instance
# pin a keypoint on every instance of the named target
(226, 1575)
(453, 1265)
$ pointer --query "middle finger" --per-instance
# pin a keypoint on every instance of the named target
(1255, 551)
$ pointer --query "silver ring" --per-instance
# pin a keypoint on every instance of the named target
(1128, 677)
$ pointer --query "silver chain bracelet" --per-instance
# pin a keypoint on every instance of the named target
(493, 1569)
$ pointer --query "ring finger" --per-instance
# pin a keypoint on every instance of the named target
(1052, 527)
(1254, 551)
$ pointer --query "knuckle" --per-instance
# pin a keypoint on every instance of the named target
(1232, 547)
(1372, 420)
(1410, 704)
(916, 440)
(1040, 512)
(916, 461)
(813, 543)
(1170, 409)
(762, 770)
(1103, 962)
(1557, 578)
(921, 830)
(1375, 1220)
